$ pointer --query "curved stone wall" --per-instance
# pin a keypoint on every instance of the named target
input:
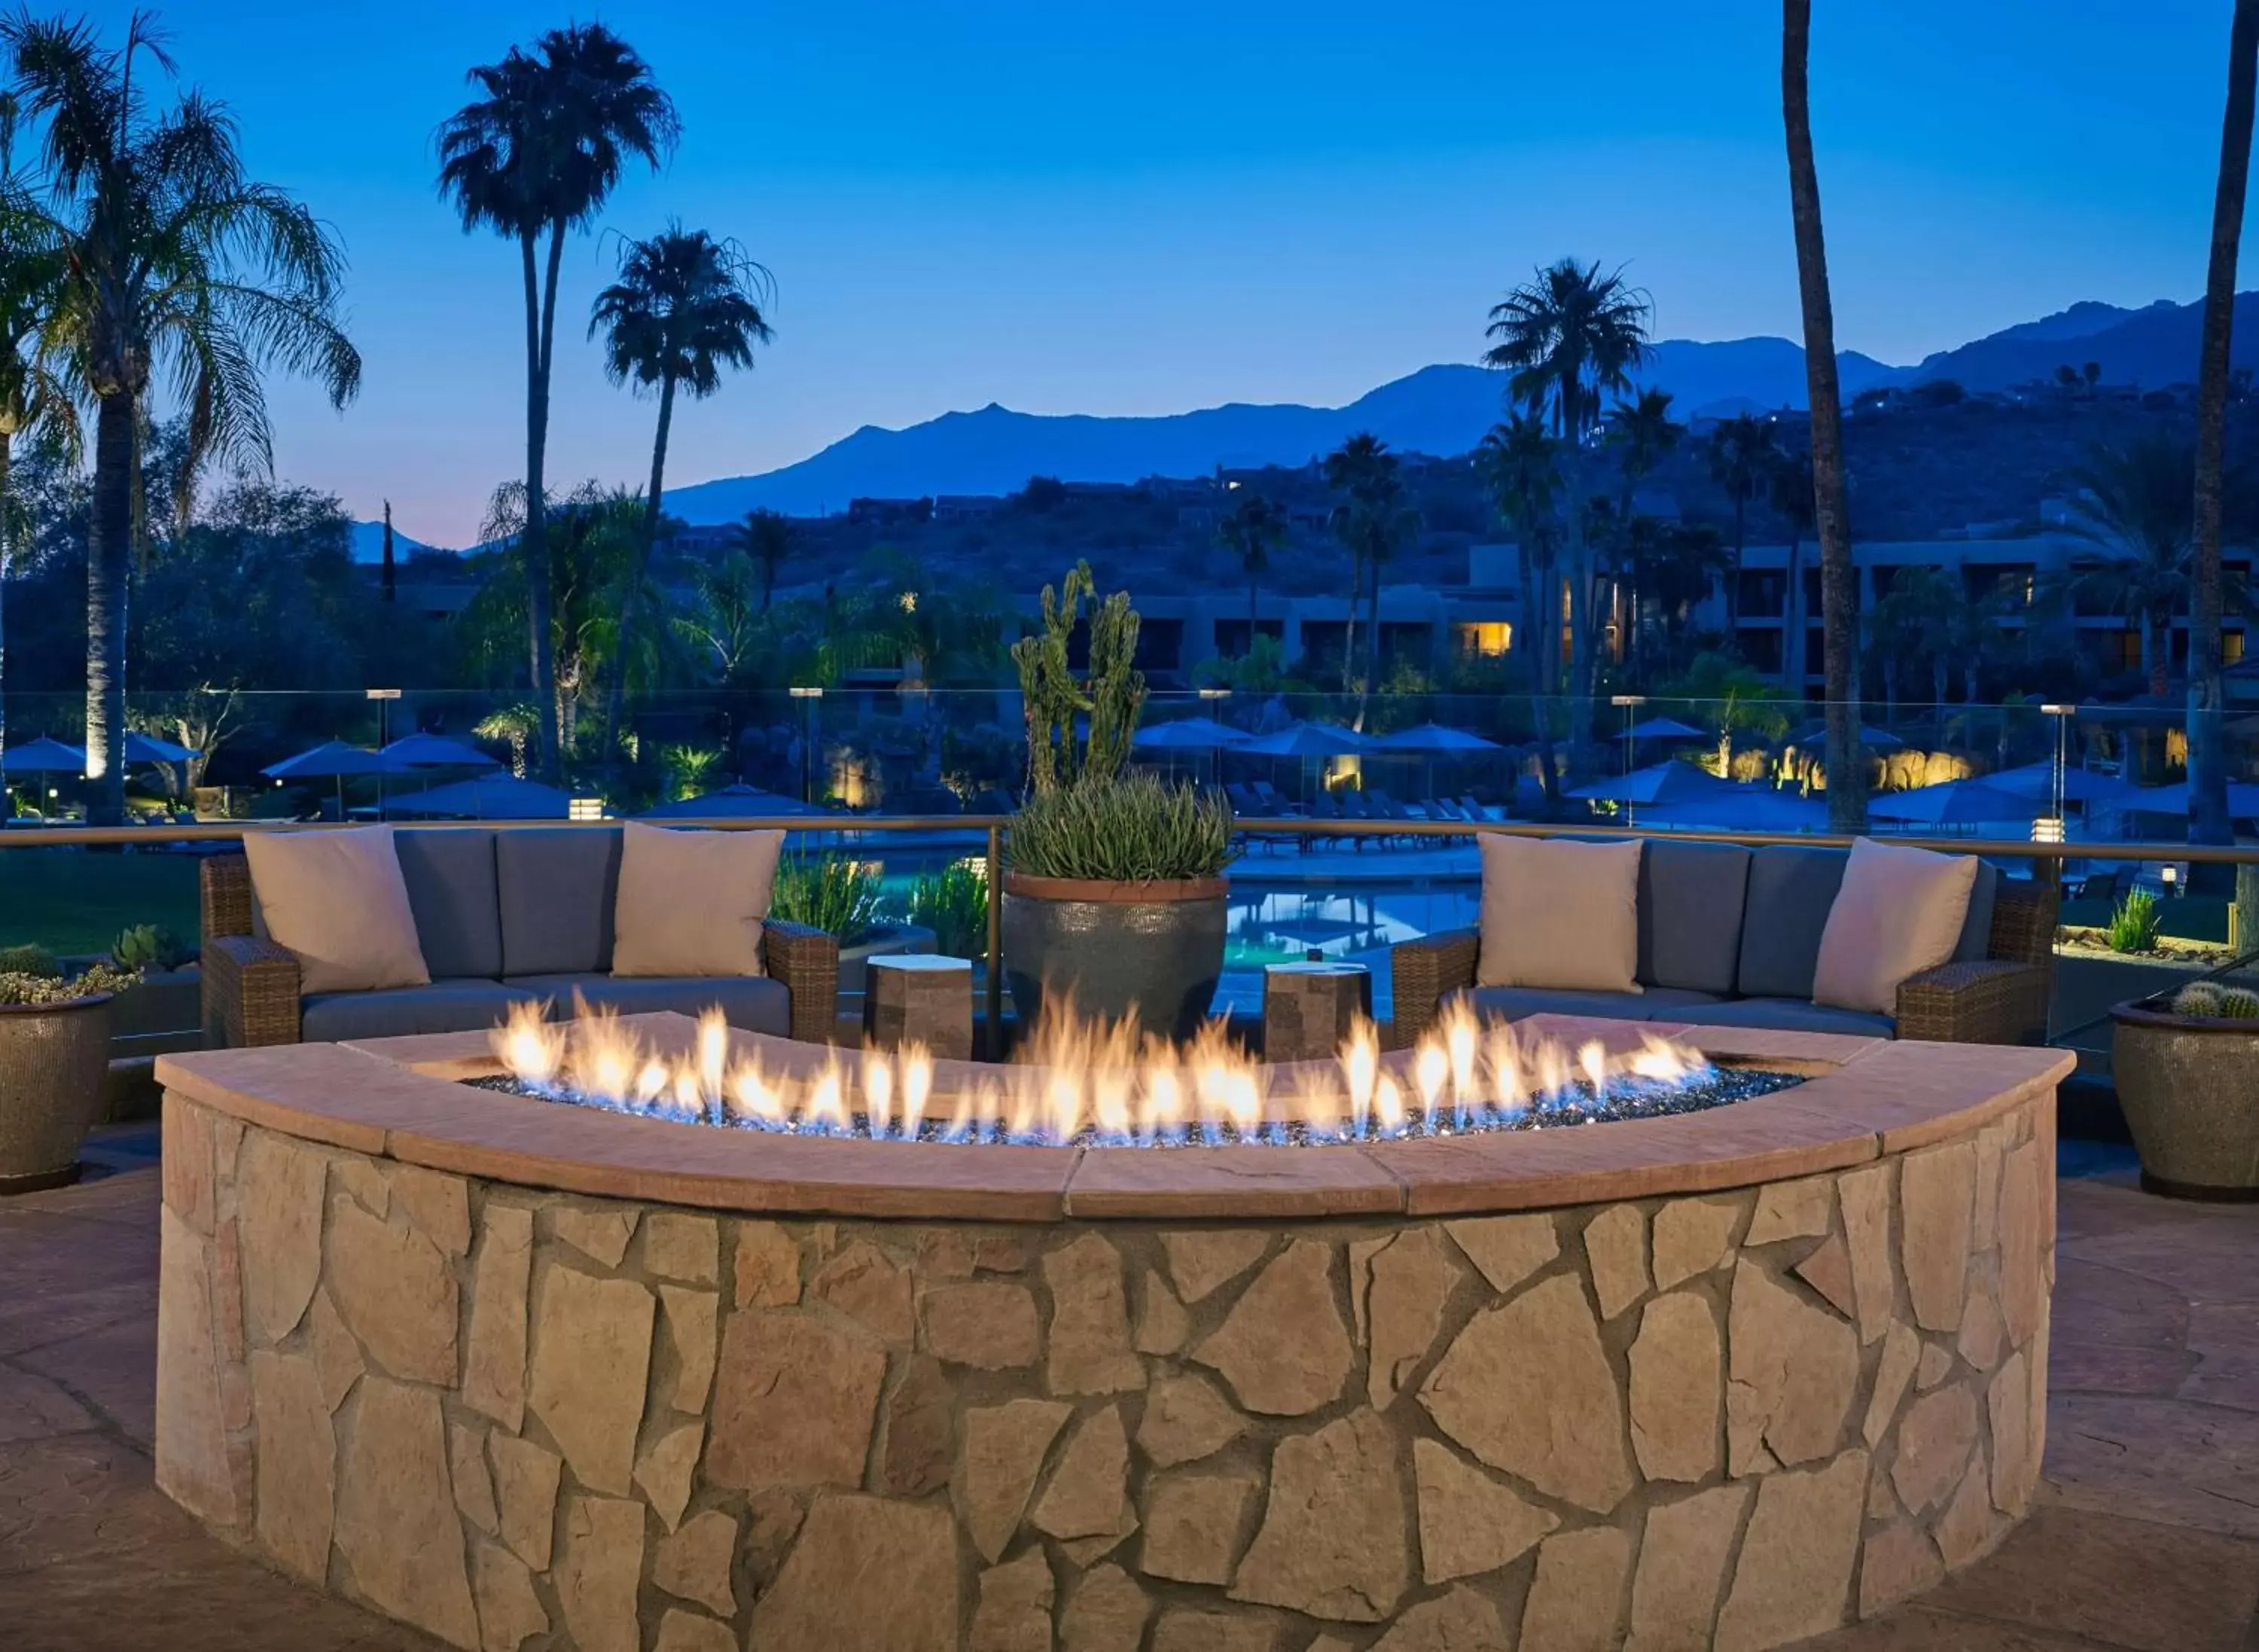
(1729, 1418)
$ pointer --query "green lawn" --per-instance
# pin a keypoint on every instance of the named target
(78, 900)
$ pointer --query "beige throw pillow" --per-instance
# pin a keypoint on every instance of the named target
(1559, 914)
(692, 902)
(1899, 912)
(337, 900)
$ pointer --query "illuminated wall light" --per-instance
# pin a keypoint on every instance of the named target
(2047, 831)
(585, 808)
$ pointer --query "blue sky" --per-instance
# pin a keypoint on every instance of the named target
(1113, 208)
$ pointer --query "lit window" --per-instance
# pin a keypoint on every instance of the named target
(1488, 638)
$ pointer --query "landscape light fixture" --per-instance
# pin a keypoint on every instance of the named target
(585, 808)
(2048, 830)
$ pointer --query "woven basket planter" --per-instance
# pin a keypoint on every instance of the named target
(1153, 951)
(52, 1060)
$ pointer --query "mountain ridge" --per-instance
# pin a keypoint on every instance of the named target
(1442, 410)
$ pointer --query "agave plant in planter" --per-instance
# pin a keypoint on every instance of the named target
(55, 1051)
(2187, 1070)
(1114, 888)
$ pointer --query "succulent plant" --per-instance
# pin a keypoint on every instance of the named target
(147, 946)
(2214, 1001)
(2238, 1003)
(29, 959)
(20, 989)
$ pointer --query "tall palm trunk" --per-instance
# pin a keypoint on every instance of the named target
(110, 546)
(1372, 627)
(631, 606)
(2157, 656)
(1349, 637)
(2208, 820)
(1251, 578)
(1839, 592)
(1733, 579)
(1791, 641)
(7, 544)
(540, 642)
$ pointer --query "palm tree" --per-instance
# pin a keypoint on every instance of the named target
(1914, 624)
(1371, 519)
(1640, 434)
(2208, 820)
(1566, 335)
(1839, 591)
(1250, 531)
(2137, 502)
(684, 308)
(33, 397)
(1743, 451)
(766, 536)
(1789, 489)
(1521, 467)
(179, 265)
(534, 155)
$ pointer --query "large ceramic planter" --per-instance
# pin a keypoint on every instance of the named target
(1151, 950)
(2190, 1089)
(52, 1060)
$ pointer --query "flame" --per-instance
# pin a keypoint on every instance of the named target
(1083, 1080)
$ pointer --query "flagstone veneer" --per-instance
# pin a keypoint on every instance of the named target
(515, 1373)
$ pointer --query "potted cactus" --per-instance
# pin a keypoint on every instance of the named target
(55, 1052)
(2187, 1068)
(1113, 887)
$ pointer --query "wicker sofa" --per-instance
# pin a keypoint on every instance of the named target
(1730, 937)
(501, 916)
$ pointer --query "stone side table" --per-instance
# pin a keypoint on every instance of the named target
(1309, 1009)
(917, 997)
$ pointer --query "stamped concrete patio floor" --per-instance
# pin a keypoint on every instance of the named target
(2146, 1538)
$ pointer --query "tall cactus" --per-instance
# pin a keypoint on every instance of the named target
(1110, 695)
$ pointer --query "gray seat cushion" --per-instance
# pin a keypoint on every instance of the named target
(753, 1003)
(449, 875)
(1790, 893)
(444, 1007)
(1691, 897)
(1792, 1014)
(1658, 1003)
(1976, 929)
(557, 887)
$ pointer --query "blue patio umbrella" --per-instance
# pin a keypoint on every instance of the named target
(2242, 800)
(1814, 733)
(332, 760)
(1188, 734)
(1308, 740)
(1662, 729)
(415, 752)
(44, 756)
(1951, 803)
(1434, 739)
(2036, 780)
(1749, 808)
(147, 748)
(733, 803)
(1666, 782)
(491, 797)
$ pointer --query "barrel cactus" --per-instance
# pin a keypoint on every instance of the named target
(2238, 1003)
(2213, 1001)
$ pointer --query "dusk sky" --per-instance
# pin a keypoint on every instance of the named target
(1143, 210)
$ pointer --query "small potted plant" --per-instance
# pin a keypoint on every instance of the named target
(165, 1011)
(54, 1053)
(2187, 1069)
(1114, 890)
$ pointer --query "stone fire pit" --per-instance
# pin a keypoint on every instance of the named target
(505, 1369)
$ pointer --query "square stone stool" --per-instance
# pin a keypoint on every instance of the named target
(1307, 1009)
(918, 998)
